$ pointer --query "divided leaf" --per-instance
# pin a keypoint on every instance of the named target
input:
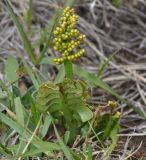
(68, 97)
(49, 98)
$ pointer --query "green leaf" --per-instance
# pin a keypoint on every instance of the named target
(19, 111)
(46, 125)
(48, 98)
(84, 112)
(11, 68)
(66, 102)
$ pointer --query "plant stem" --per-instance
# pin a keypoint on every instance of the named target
(68, 69)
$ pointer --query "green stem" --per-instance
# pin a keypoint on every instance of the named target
(68, 69)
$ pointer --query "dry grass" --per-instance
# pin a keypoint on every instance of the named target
(107, 28)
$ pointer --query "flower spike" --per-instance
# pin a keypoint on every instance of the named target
(67, 38)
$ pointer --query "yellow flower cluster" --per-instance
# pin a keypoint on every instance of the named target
(67, 38)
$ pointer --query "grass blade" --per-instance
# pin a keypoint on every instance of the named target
(24, 37)
(63, 146)
(89, 152)
(19, 111)
(34, 152)
(5, 151)
(36, 141)
(32, 136)
(46, 125)
(35, 112)
(28, 14)
(106, 62)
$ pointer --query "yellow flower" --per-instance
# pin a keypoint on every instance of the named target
(67, 38)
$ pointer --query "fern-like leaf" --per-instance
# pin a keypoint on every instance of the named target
(49, 98)
(67, 102)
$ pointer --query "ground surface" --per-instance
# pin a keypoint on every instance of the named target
(108, 29)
